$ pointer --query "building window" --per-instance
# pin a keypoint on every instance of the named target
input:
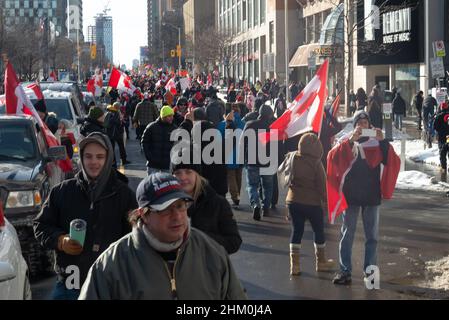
(271, 30)
(263, 6)
(250, 14)
(256, 13)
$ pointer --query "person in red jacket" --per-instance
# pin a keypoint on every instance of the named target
(356, 183)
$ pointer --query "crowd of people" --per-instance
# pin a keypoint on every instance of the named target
(173, 237)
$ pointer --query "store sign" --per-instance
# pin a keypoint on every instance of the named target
(440, 50)
(437, 67)
(396, 38)
(326, 51)
(397, 26)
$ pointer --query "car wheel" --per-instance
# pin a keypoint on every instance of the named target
(27, 289)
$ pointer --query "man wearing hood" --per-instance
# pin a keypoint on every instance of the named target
(96, 196)
(253, 177)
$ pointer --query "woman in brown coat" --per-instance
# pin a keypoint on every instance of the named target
(305, 199)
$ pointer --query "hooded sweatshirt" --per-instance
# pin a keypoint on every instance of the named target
(308, 184)
(96, 187)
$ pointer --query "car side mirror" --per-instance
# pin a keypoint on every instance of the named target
(7, 272)
(57, 153)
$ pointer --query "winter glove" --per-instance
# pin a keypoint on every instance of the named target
(69, 246)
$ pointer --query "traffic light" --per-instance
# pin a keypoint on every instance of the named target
(178, 50)
(172, 53)
(93, 51)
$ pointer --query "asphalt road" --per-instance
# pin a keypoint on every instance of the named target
(414, 228)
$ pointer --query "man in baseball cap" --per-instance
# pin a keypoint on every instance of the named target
(163, 257)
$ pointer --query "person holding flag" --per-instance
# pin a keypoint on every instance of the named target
(356, 183)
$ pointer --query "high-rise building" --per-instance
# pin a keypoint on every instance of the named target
(92, 34)
(162, 39)
(104, 35)
(75, 20)
(31, 11)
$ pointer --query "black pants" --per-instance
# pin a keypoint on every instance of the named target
(299, 213)
(121, 147)
(444, 148)
(139, 131)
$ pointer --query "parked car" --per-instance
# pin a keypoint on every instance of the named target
(28, 171)
(14, 281)
(67, 86)
(88, 97)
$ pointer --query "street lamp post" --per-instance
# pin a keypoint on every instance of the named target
(179, 44)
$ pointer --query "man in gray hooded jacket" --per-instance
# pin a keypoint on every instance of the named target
(163, 258)
(96, 196)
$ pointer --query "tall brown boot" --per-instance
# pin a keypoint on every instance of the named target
(294, 259)
(323, 264)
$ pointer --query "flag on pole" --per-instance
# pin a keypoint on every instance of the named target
(18, 103)
(53, 76)
(336, 106)
(305, 113)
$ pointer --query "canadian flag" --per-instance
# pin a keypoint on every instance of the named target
(17, 102)
(171, 86)
(121, 81)
(91, 86)
(305, 113)
(53, 76)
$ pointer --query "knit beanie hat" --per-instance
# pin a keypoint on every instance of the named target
(166, 111)
(360, 115)
(95, 112)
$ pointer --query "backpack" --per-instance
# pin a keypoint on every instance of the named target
(285, 170)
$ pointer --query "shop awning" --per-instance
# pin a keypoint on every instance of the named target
(302, 54)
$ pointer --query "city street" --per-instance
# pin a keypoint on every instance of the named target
(413, 229)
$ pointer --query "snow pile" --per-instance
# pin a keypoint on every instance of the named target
(439, 273)
(409, 180)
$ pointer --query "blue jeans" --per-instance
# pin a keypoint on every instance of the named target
(299, 213)
(370, 217)
(60, 292)
(398, 121)
(253, 181)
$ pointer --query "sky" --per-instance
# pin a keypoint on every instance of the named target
(129, 18)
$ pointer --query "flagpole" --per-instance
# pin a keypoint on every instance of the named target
(287, 49)
(78, 49)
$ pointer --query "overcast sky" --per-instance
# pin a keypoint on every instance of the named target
(129, 26)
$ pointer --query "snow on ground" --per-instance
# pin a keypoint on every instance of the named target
(438, 273)
(418, 180)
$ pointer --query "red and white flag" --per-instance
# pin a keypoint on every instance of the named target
(336, 106)
(18, 103)
(53, 76)
(171, 86)
(91, 86)
(305, 113)
(122, 82)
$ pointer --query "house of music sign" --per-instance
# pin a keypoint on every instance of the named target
(397, 26)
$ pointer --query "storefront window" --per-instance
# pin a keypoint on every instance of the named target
(407, 81)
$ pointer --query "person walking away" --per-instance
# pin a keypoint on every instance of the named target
(146, 112)
(306, 199)
(375, 109)
(418, 100)
(227, 127)
(253, 177)
(163, 257)
(96, 196)
(399, 110)
(115, 131)
(361, 99)
(280, 105)
(352, 102)
(94, 122)
(156, 141)
(441, 126)
(429, 106)
(354, 185)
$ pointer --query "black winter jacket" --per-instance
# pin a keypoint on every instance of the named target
(114, 126)
(441, 126)
(91, 125)
(399, 106)
(107, 220)
(215, 112)
(157, 145)
(213, 215)
(215, 173)
(362, 184)
(253, 150)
